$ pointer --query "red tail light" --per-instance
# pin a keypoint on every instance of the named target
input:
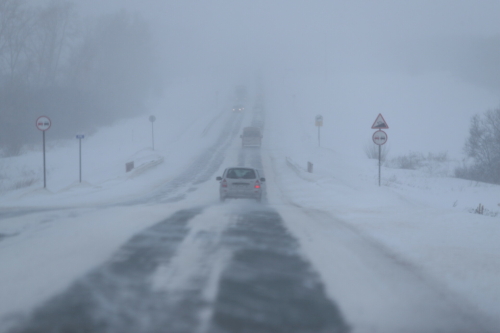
(223, 183)
(257, 184)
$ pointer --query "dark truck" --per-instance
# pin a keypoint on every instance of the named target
(251, 137)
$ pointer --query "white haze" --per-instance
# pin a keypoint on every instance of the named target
(427, 66)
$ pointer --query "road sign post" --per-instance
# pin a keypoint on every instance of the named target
(43, 123)
(152, 120)
(379, 138)
(80, 137)
(319, 123)
(44, 172)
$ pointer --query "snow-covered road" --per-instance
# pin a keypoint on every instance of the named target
(209, 267)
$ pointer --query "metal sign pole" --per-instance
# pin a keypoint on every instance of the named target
(319, 123)
(379, 138)
(379, 163)
(319, 137)
(80, 137)
(80, 159)
(152, 120)
(44, 174)
(43, 123)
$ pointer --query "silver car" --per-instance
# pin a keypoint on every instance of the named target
(241, 182)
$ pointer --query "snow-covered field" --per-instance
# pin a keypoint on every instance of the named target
(422, 219)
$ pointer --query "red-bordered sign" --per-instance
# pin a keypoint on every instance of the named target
(379, 137)
(43, 123)
(380, 123)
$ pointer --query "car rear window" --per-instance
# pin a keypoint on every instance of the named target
(237, 173)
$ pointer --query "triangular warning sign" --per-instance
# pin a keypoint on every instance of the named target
(380, 123)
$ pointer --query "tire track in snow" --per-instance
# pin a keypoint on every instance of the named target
(268, 286)
(118, 297)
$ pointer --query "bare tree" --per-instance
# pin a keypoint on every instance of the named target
(53, 29)
(79, 79)
(483, 146)
(15, 28)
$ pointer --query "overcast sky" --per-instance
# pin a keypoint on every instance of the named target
(296, 33)
(427, 66)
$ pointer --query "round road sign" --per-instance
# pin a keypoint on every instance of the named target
(152, 118)
(379, 137)
(43, 123)
(319, 120)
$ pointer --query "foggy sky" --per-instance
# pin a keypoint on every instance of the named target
(352, 34)
(426, 65)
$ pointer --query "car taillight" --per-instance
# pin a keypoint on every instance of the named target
(223, 183)
(257, 184)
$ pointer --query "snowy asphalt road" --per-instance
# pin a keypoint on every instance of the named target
(264, 285)
(249, 275)
(233, 267)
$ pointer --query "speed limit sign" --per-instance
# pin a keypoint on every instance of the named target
(43, 123)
